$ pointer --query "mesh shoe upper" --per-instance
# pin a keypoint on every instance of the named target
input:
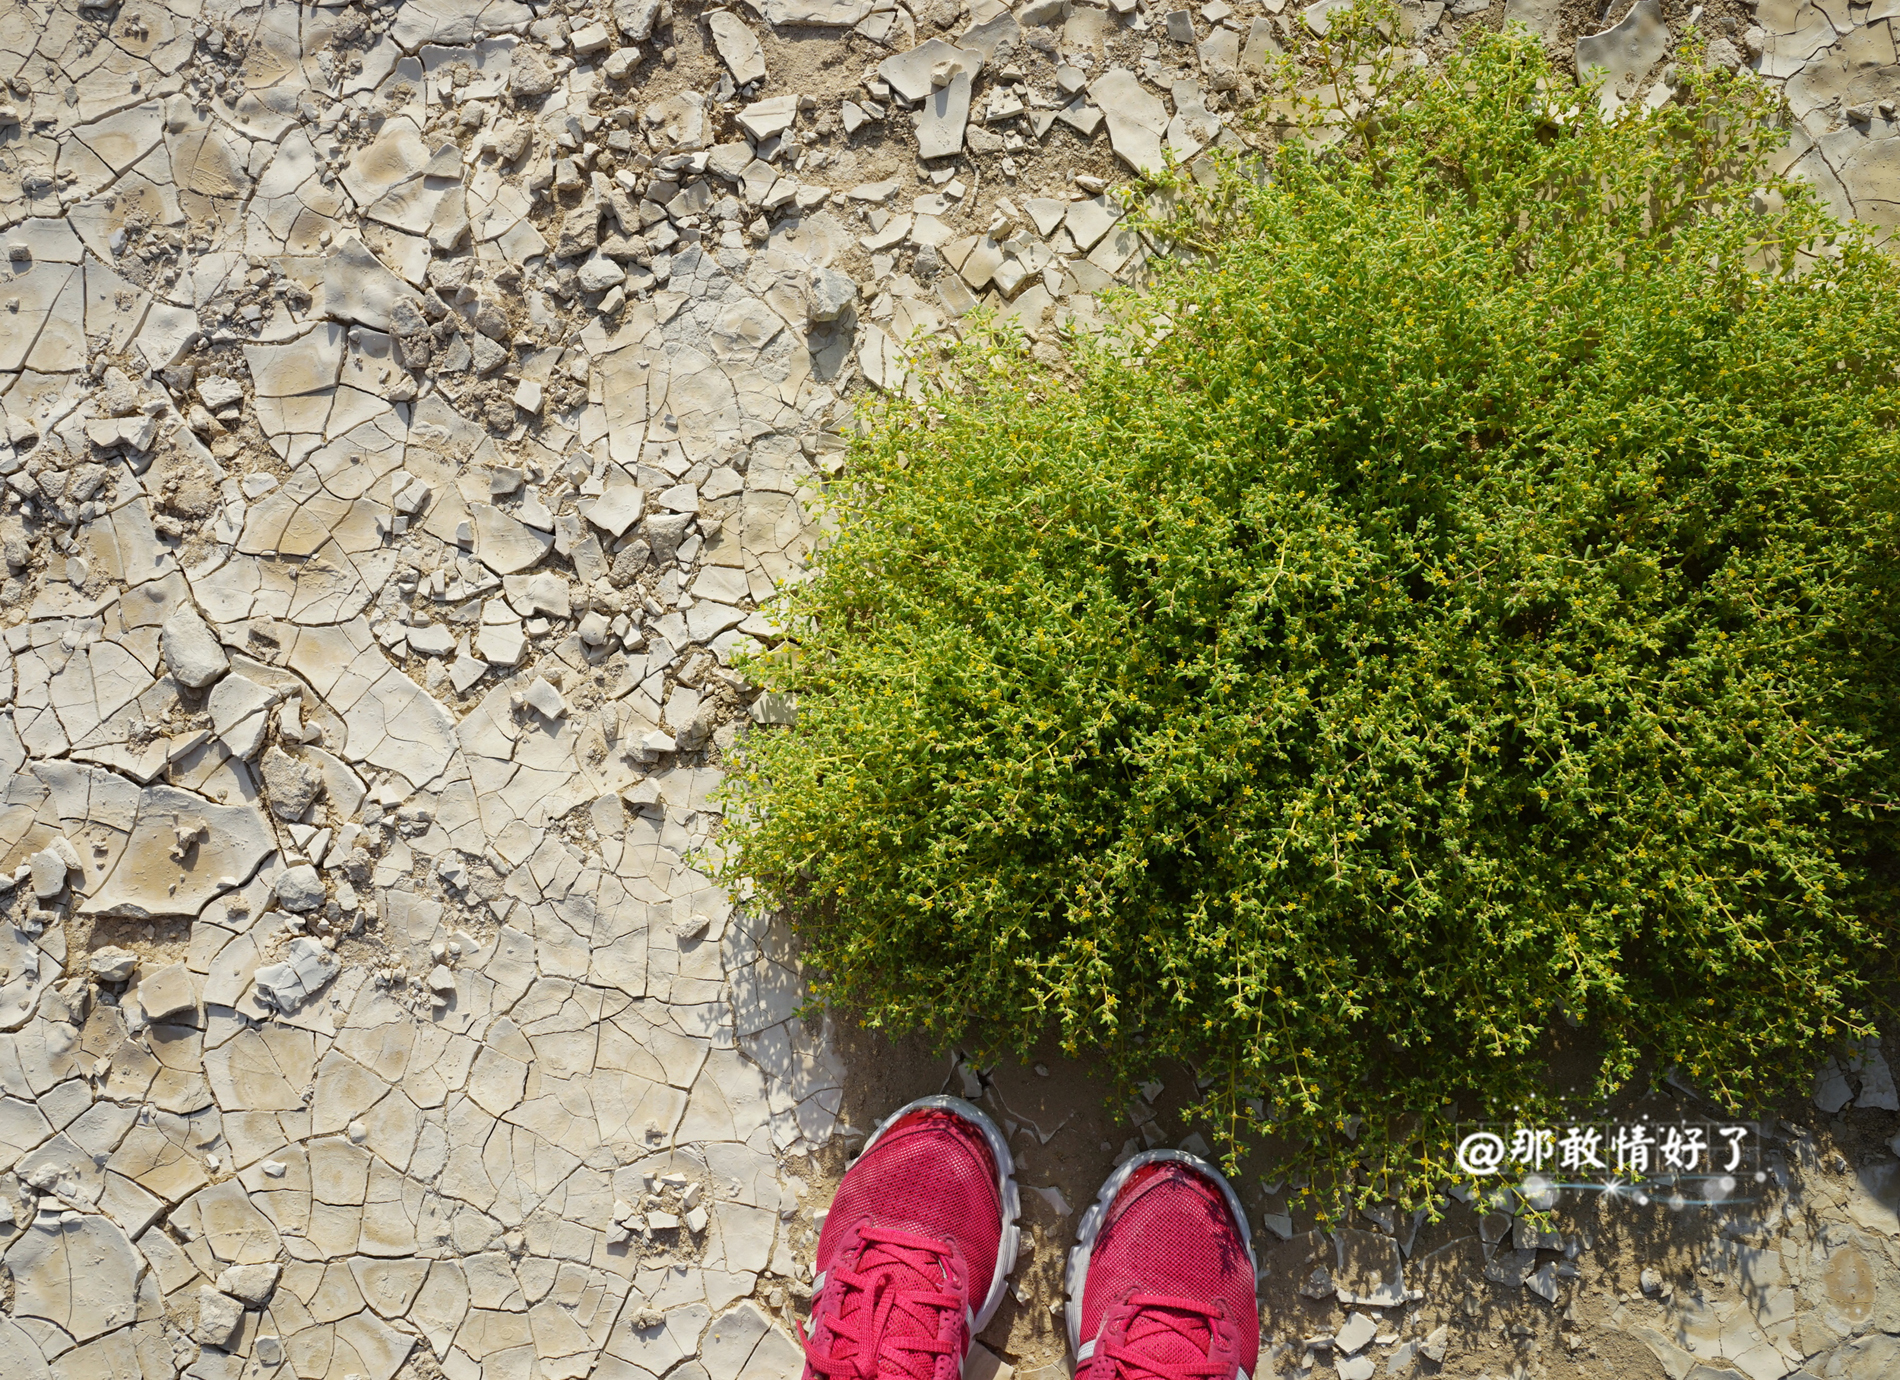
(907, 1253)
(1169, 1289)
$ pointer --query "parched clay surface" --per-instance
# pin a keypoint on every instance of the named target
(410, 412)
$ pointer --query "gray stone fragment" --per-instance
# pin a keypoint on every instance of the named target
(1510, 1268)
(945, 117)
(697, 732)
(1220, 59)
(1368, 1269)
(1081, 116)
(1877, 1090)
(49, 874)
(729, 160)
(615, 510)
(166, 992)
(830, 293)
(252, 1285)
(113, 964)
(238, 714)
(763, 119)
(580, 231)
(291, 785)
(916, 73)
(1543, 1282)
(432, 639)
(1625, 51)
(406, 318)
(1832, 1091)
(1319, 1284)
(1354, 1336)
(679, 121)
(1319, 15)
(306, 969)
(1194, 126)
(485, 355)
(1088, 221)
(192, 653)
(219, 1317)
(1046, 212)
(1527, 1236)
(1539, 16)
(545, 700)
(505, 544)
(664, 532)
(995, 38)
(635, 18)
(840, 14)
(600, 273)
(218, 393)
(1262, 44)
(1722, 55)
(299, 888)
(1136, 118)
(531, 76)
(737, 46)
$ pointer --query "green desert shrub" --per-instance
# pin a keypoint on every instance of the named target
(1442, 631)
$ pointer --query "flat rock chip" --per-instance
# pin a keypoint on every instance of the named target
(1625, 51)
(829, 13)
(166, 992)
(191, 650)
(1368, 1269)
(291, 786)
(307, 967)
(737, 46)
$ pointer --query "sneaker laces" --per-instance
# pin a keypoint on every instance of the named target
(1165, 1338)
(889, 1315)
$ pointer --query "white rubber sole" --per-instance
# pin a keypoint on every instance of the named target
(1076, 1273)
(1005, 1184)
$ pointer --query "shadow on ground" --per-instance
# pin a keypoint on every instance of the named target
(1799, 1279)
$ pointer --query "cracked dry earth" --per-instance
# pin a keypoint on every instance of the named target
(409, 411)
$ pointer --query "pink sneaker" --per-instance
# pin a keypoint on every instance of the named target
(1161, 1284)
(916, 1248)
